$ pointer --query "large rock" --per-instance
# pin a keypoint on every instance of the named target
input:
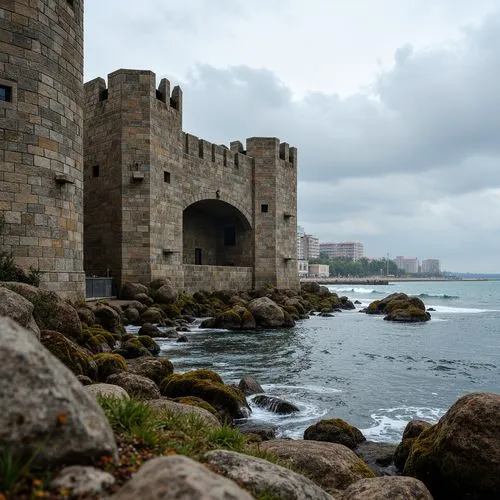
(50, 311)
(378, 456)
(108, 318)
(333, 466)
(387, 488)
(76, 358)
(263, 477)
(400, 307)
(184, 409)
(250, 386)
(335, 430)
(267, 313)
(155, 369)
(311, 287)
(19, 309)
(275, 404)
(46, 413)
(412, 430)
(166, 294)
(228, 401)
(459, 457)
(265, 430)
(107, 391)
(129, 290)
(136, 386)
(179, 478)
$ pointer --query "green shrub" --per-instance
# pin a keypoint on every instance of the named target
(9, 271)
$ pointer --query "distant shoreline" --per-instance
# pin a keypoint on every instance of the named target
(382, 280)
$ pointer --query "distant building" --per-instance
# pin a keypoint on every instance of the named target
(319, 270)
(409, 265)
(303, 268)
(431, 266)
(300, 246)
(353, 250)
(309, 247)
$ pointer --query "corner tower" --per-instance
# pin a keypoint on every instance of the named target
(41, 139)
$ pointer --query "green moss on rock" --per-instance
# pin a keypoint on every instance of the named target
(200, 403)
(109, 364)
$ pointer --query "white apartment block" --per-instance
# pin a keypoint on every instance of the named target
(409, 265)
(307, 247)
(353, 250)
(303, 268)
(430, 266)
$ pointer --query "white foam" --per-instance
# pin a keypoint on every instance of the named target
(390, 422)
(352, 289)
(460, 310)
(308, 388)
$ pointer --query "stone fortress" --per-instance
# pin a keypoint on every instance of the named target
(103, 178)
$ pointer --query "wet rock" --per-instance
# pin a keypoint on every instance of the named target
(400, 307)
(179, 478)
(153, 315)
(81, 481)
(266, 312)
(459, 457)
(107, 390)
(332, 466)
(150, 329)
(265, 430)
(132, 315)
(182, 338)
(275, 404)
(108, 318)
(335, 430)
(136, 386)
(387, 488)
(312, 287)
(379, 456)
(250, 386)
(414, 428)
(46, 413)
(263, 477)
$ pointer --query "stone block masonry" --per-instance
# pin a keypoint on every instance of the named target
(41, 139)
(160, 202)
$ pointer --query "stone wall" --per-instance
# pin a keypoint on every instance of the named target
(41, 123)
(211, 278)
(169, 195)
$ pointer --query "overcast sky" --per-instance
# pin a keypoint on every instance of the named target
(394, 106)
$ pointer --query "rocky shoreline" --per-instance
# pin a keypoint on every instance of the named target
(91, 411)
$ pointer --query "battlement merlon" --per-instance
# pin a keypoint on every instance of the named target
(271, 148)
(136, 83)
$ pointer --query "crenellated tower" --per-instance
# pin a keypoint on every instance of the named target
(160, 202)
(41, 139)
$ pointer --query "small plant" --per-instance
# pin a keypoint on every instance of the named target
(10, 271)
(13, 468)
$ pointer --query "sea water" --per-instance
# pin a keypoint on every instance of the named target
(375, 374)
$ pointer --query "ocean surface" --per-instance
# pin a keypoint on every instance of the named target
(375, 374)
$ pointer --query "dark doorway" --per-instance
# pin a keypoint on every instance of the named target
(197, 256)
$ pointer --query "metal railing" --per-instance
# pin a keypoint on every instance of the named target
(98, 287)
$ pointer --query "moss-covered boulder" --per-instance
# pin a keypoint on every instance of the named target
(236, 318)
(77, 359)
(152, 346)
(109, 364)
(400, 307)
(156, 369)
(207, 385)
(311, 287)
(108, 318)
(87, 317)
(408, 314)
(166, 294)
(335, 430)
(50, 311)
(133, 348)
(153, 315)
(379, 306)
(459, 457)
(199, 403)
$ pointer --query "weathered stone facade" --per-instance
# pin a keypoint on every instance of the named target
(162, 203)
(41, 139)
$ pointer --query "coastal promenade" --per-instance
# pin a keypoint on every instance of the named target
(380, 280)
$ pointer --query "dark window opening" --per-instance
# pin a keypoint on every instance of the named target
(230, 236)
(103, 95)
(197, 256)
(264, 208)
(5, 93)
(166, 177)
(95, 171)
(159, 95)
(71, 3)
